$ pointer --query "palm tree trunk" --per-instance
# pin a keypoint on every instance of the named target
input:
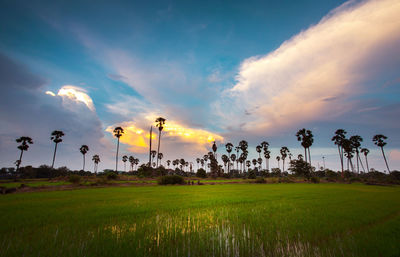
(116, 157)
(83, 162)
(366, 160)
(384, 157)
(362, 165)
(268, 165)
(54, 156)
(283, 165)
(158, 148)
(309, 156)
(341, 158)
(305, 154)
(358, 167)
(20, 159)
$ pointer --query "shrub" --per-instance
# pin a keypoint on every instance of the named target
(315, 180)
(251, 174)
(111, 175)
(201, 173)
(171, 180)
(75, 179)
(260, 181)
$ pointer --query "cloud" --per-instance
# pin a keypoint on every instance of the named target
(76, 94)
(26, 111)
(174, 136)
(315, 74)
(394, 155)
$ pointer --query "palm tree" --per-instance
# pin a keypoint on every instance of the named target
(258, 150)
(214, 148)
(125, 159)
(284, 152)
(153, 155)
(225, 159)
(348, 148)
(160, 124)
(229, 148)
(259, 161)
(356, 140)
(202, 163)
(84, 149)
(233, 159)
(131, 161)
(96, 160)
(278, 159)
(248, 164)
(118, 131)
(56, 136)
(267, 156)
(365, 151)
(24, 146)
(254, 161)
(306, 138)
(136, 162)
(159, 157)
(169, 162)
(379, 141)
(340, 134)
(205, 158)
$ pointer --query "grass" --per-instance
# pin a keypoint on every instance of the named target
(35, 184)
(209, 220)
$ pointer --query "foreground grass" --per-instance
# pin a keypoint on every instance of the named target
(218, 220)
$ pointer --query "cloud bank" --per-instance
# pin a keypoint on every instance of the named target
(315, 74)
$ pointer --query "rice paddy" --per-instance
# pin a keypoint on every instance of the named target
(208, 220)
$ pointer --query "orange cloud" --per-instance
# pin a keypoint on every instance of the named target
(173, 133)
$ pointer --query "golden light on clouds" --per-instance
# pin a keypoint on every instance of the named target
(76, 94)
(50, 93)
(138, 138)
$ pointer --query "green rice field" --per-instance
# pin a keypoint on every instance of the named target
(210, 220)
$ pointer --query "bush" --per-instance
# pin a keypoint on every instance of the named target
(201, 173)
(315, 180)
(111, 175)
(260, 181)
(171, 180)
(75, 179)
(251, 174)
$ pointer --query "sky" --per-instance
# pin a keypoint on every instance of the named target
(215, 70)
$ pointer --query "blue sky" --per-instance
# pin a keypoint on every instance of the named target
(231, 70)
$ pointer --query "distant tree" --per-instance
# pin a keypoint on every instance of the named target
(284, 153)
(153, 155)
(56, 137)
(160, 124)
(300, 168)
(159, 157)
(356, 140)
(225, 160)
(24, 146)
(306, 137)
(233, 158)
(259, 161)
(338, 138)
(229, 148)
(254, 161)
(118, 131)
(348, 148)
(198, 162)
(124, 160)
(201, 173)
(365, 151)
(278, 158)
(84, 149)
(258, 150)
(96, 160)
(379, 140)
(169, 162)
(131, 161)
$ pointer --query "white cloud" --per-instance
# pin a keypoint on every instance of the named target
(309, 76)
(76, 94)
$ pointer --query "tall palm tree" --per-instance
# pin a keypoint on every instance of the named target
(338, 138)
(131, 161)
(124, 160)
(306, 138)
(214, 148)
(84, 149)
(118, 131)
(205, 158)
(258, 150)
(233, 159)
(356, 140)
(259, 161)
(136, 162)
(56, 136)
(365, 151)
(96, 160)
(379, 140)
(202, 163)
(24, 146)
(254, 161)
(160, 124)
(284, 153)
(169, 162)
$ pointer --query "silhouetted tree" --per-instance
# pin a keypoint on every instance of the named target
(160, 124)
(379, 140)
(159, 157)
(118, 131)
(153, 155)
(124, 160)
(84, 149)
(225, 160)
(56, 137)
(24, 146)
(348, 148)
(284, 152)
(229, 148)
(131, 161)
(96, 160)
(278, 158)
(356, 140)
(340, 134)
(365, 151)
(306, 138)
